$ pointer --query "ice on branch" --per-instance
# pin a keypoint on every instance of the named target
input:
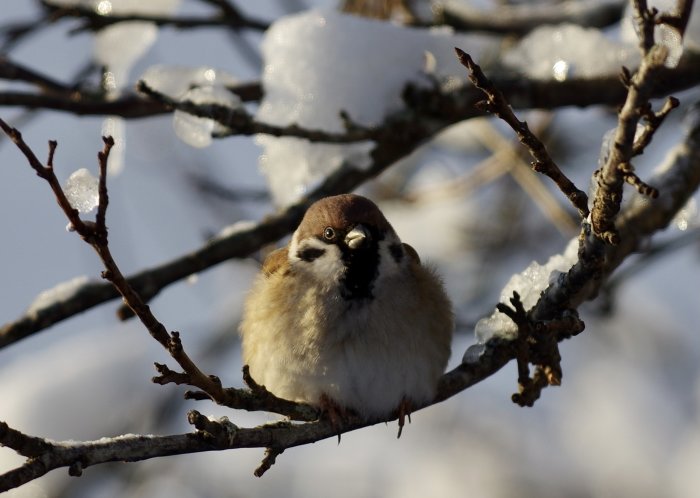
(81, 189)
(197, 131)
(319, 63)
(569, 51)
(529, 285)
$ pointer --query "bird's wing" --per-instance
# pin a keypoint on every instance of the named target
(275, 260)
(412, 254)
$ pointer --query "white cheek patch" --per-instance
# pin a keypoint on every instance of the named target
(327, 267)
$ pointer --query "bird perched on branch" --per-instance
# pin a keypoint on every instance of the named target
(345, 317)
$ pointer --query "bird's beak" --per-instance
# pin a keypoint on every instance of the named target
(357, 237)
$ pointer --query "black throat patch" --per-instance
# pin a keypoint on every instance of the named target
(361, 268)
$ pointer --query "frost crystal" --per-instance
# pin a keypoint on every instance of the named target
(81, 189)
(568, 50)
(529, 285)
(196, 131)
(318, 63)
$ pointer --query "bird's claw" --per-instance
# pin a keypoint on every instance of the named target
(335, 413)
(405, 408)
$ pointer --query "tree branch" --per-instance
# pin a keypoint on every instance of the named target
(450, 105)
(228, 17)
(240, 122)
(523, 93)
(617, 168)
(130, 106)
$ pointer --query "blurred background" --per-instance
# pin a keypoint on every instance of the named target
(625, 422)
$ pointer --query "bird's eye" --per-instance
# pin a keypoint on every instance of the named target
(329, 233)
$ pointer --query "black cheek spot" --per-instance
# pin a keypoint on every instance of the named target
(310, 253)
(396, 252)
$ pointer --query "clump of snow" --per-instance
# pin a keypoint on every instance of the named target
(529, 285)
(60, 292)
(174, 81)
(234, 228)
(197, 131)
(568, 51)
(319, 63)
(81, 189)
(118, 46)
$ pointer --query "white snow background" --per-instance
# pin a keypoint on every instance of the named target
(625, 422)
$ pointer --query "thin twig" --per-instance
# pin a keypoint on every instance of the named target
(95, 234)
(652, 122)
(497, 104)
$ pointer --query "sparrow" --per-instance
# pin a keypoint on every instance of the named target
(346, 318)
